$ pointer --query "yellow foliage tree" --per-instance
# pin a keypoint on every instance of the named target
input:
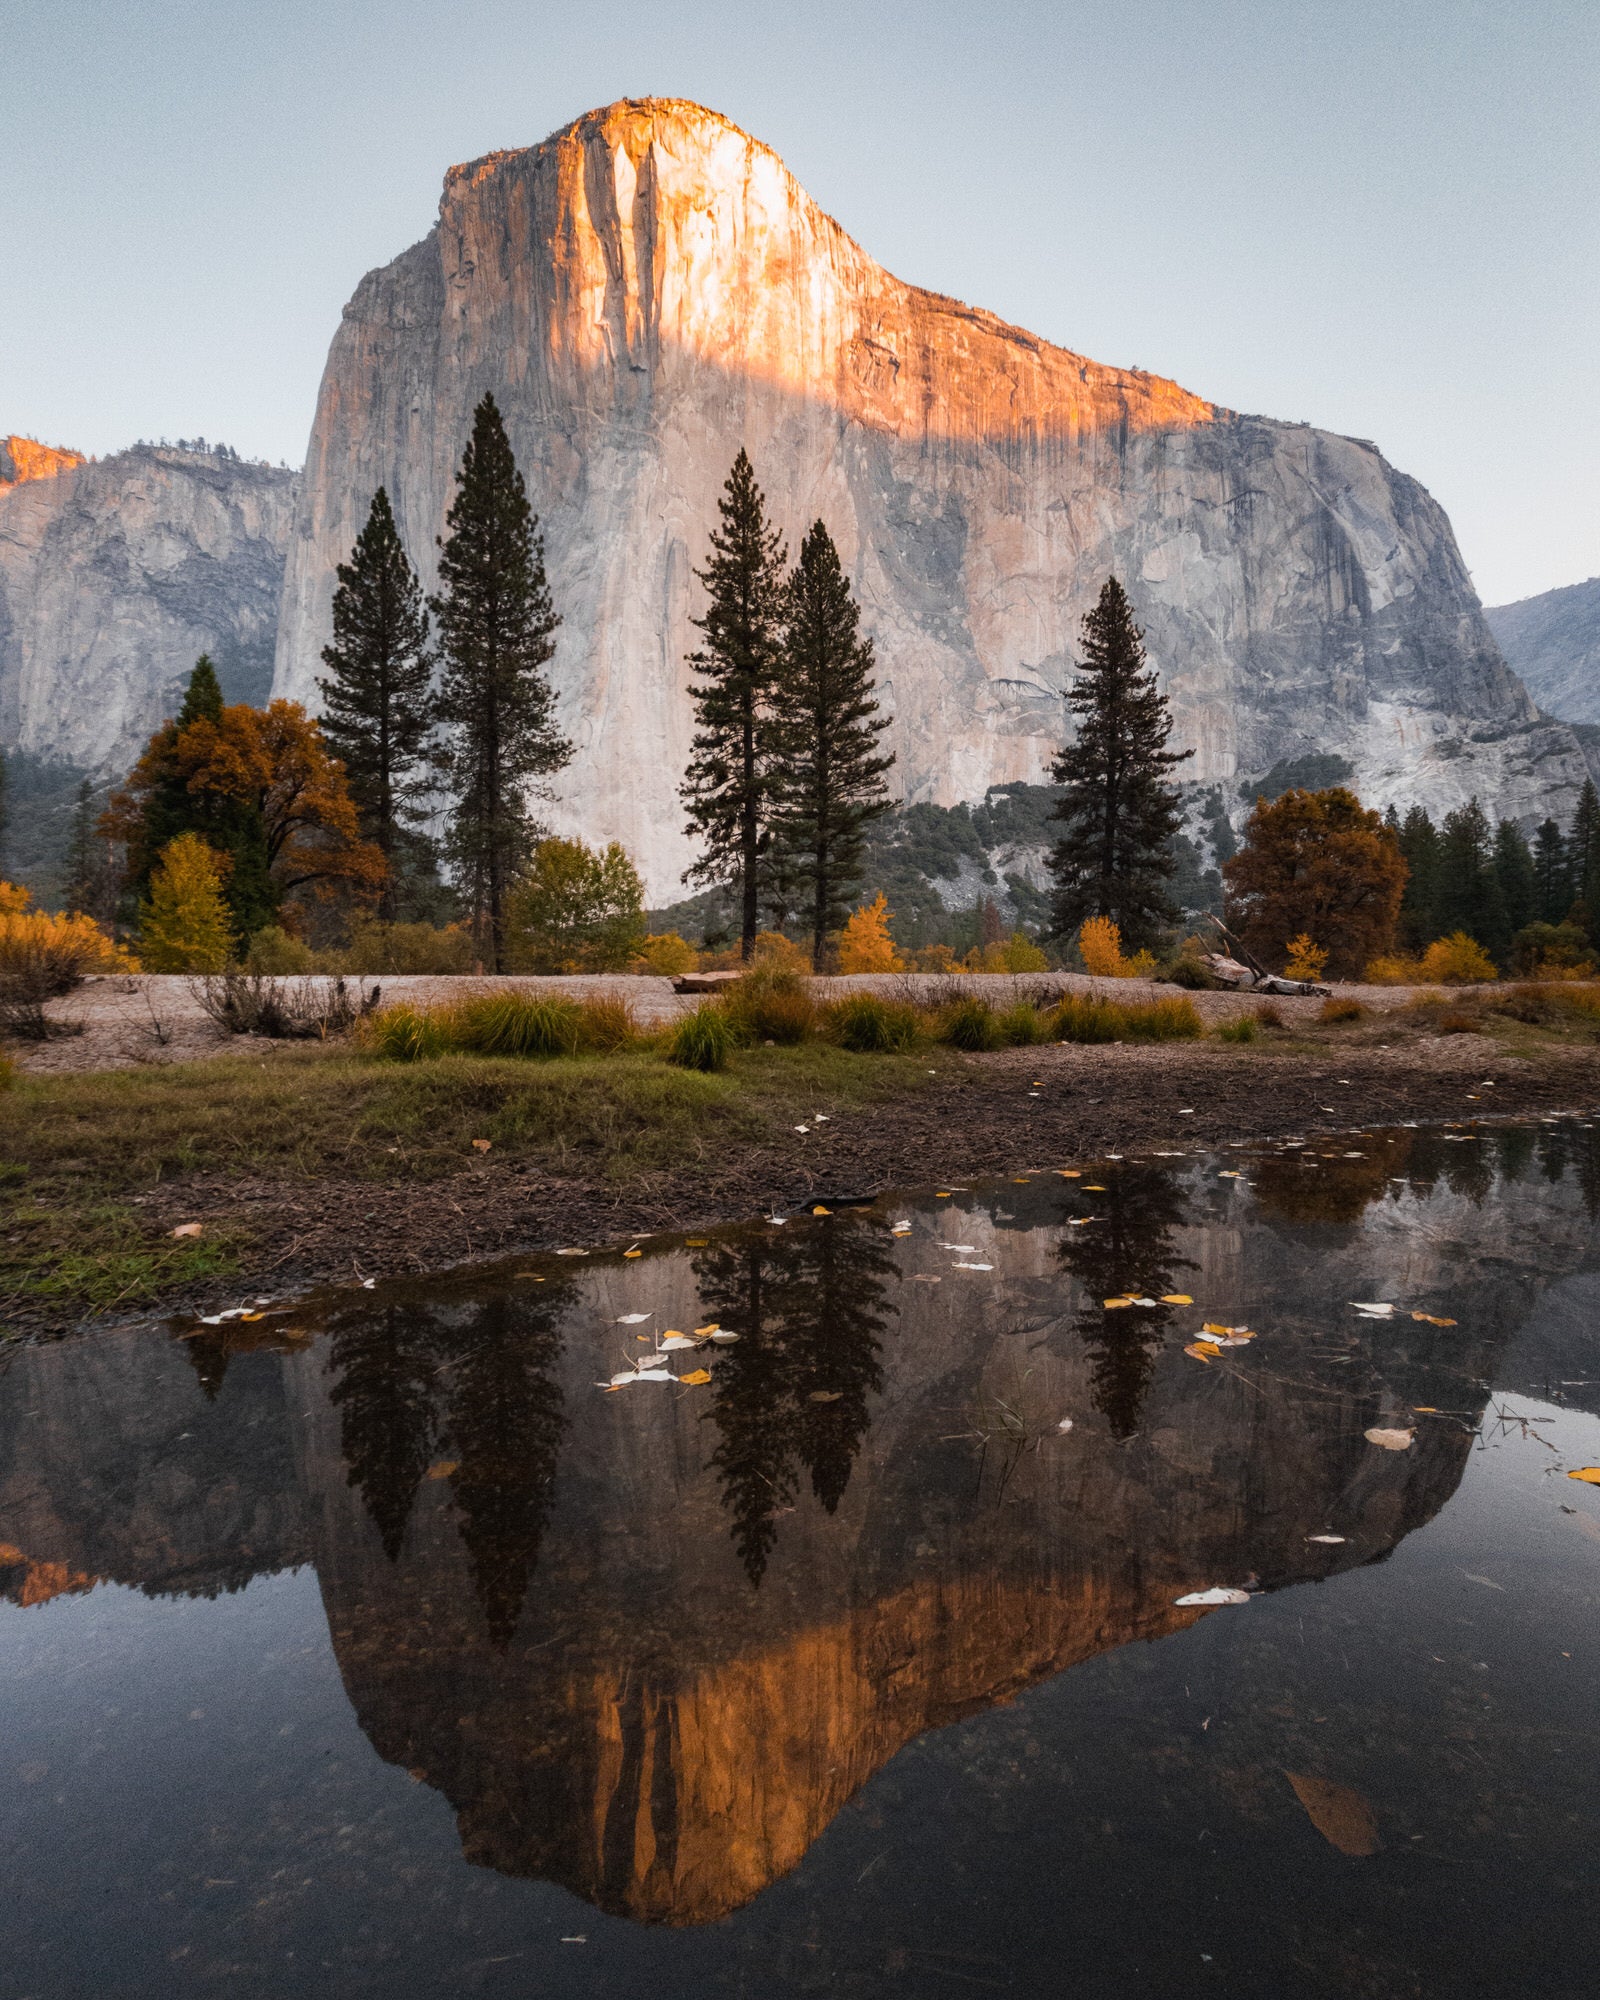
(184, 926)
(865, 944)
(1306, 960)
(48, 954)
(665, 954)
(1100, 945)
(1457, 960)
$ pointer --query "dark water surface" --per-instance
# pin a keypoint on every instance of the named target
(374, 1648)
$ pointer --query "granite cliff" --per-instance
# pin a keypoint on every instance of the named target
(650, 289)
(1553, 643)
(114, 575)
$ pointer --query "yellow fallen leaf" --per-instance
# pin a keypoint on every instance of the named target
(820, 1210)
(667, 1333)
(824, 1396)
(1176, 1299)
(1111, 1305)
(695, 1377)
(1019, 1180)
(633, 1253)
(1432, 1319)
(444, 1468)
(1590, 1474)
(1070, 1173)
(529, 1278)
(941, 1194)
(1094, 1187)
(1202, 1351)
(188, 1229)
(696, 1242)
(248, 1317)
(701, 1332)
(481, 1145)
(1341, 1816)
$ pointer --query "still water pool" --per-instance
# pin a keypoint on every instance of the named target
(386, 1644)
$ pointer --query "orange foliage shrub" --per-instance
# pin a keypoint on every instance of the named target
(1316, 864)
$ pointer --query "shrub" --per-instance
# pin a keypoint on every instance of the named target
(665, 954)
(575, 909)
(772, 948)
(1086, 1017)
(295, 1010)
(1191, 973)
(1162, 1021)
(701, 1040)
(1092, 1018)
(1305, 960)
(44, 956)
(1393, 970)
(1552, 951)
(1343, 1010)
(1542, 1002)
(1270, 1015)
(1457, 960)
(407, 948)
(517, 1024)
(1242, 1028)
(933, 958)
(771, 1004)
(1023, 1026)
(870, 1026)
(408, 1034)
(1459, 1022)
(1100, 948)
(272, 949)
(1019, 953)
(969, 1024)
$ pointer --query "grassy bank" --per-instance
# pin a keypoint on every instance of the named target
(80, 1155)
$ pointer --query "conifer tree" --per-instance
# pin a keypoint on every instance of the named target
(1119, 813)
(1467, 894)
(82, 874)
(1583, 857)
(726, 787)
(1419, 849)
(1552, 874)
(1514, 872)
(377, 709)
(827, 772)
(496, 623)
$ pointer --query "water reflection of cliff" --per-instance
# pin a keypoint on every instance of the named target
(540, 1595)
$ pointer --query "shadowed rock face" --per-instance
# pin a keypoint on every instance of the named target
(1553, 642)
(650, 289)
(649, 1643)
(114, 576)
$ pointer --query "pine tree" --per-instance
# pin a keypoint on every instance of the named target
(1467, 895)
(826, 770)
(726, 787)
(1419, 849)
(495, 633)
(377, 711)
(82, 872)
(1514, 872)
(5, 809)
(1583, 858)
(1118, 814)
(184, 926)
(1552, 874)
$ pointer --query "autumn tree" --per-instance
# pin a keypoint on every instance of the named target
(377, 708)
(184, 925)
(575, 909)
(1317, 864)
(496, 635)
(726, 790)
(1118, 813)
(256, 782)
(865, 943)
(827, 769)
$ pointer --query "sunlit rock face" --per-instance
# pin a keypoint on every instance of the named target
(651, 289)
(115, 575)
(22, 459)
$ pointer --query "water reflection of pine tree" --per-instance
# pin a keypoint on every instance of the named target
(1127, 1250)
(505, 1423)
(383, 1363)
(791, 1395)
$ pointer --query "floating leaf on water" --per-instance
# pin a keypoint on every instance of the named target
(188, 1229)
(974, 1267)
(1589, 1474)
(1389, 1440)
(527, 1278)
(705, 1332)
(1064, 1425)
(1070, 1173)
(1206, 1351)
(941, 1194)
(901, 1229)
(1148, 1303)
(820, 1210)
(368, 1284)
(250, 1317)
(1116, 1305)
(1341, 1816)
(481, 1145)
(825, 1396)
(572, 1253)
(443, 1468)
(961, 1249)
(1432, 1319)
(1325, 1538)
(802, 1128)
(722, 1336)
(635, 1319)
(1094, 1187)
(695, 1377)
(671, 1342)
(1217, 1594)
(655, 1375)
(696, 1242)
(633, 1253)
(1176, 1299)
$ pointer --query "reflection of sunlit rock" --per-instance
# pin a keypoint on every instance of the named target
(650, 289)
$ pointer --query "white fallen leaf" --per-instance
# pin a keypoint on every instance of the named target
(674, 1341)
(621, 1379)
(722, 1336)
(974, 1267)
(777, 1220)
(634, 1319)
(655, 1375)
(213, 1319)
(819, 1118)
(188, 1229)
(1375, 1307)
(369, 1284)
(572, 1253)
(802, 1128)
(1065, 1424)
(1389, 1440)
(1216, 1595)
(1324, 1538)
(962, 1249)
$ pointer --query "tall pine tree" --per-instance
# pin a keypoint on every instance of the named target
(1467, 895)
(82, 872)
(1119, 813)
(1419, 849)
(827, 771)
(726, 787)
(496, 623)
(376, 707)
(1583, 859)
(1552, 874)
(1514, 872)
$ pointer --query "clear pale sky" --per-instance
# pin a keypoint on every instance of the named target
(1381, 218)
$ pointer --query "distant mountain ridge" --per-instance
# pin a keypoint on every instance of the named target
(1552, 642)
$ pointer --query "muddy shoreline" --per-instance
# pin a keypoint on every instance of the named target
(979, 1116)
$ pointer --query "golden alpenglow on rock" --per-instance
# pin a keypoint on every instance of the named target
(651, 289)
